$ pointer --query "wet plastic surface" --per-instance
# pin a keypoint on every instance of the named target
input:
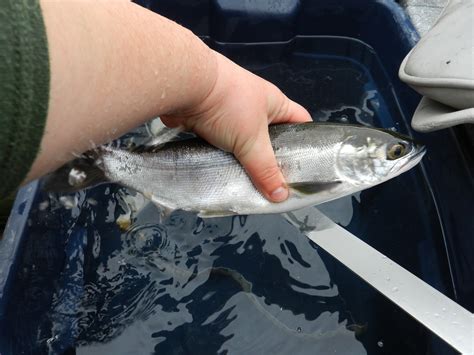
(72, 277)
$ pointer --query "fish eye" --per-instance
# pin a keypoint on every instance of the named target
(396, 151)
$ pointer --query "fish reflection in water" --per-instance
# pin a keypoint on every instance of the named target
(187, 285)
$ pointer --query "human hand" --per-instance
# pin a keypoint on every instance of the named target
(235, 115)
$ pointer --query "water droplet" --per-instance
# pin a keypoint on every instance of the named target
(380, 344)
(163, 95)
(298, 329)
(436, 314)
(122, 262)
(344, 118)
(281, 308)
(51, 340)
(43, 205)
(387, 278)
(395, 289)
(444, 309)
(92, 201)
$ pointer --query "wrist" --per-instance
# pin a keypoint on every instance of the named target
(201, 74)
(208, 91)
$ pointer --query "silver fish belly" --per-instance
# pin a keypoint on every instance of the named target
(320, 162)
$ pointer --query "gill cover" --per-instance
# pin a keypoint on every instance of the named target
(370, 159)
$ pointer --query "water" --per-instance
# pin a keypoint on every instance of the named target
(238, 284)
(358, 103)
(102, 272)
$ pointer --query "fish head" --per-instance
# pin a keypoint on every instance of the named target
(370, 157)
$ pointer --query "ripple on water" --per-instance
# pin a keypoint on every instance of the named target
(222, 284)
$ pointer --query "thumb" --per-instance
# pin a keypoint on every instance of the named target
(258, 159)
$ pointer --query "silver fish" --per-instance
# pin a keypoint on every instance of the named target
(320, 162)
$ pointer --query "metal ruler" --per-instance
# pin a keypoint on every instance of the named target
(441, 315)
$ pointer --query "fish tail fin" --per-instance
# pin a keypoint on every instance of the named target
(76, 175)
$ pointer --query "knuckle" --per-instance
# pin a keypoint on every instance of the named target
(267, 174)
(262, 172)
(242, 149)
(284, 108)
(281, 106)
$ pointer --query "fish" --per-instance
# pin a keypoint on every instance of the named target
(320, 162)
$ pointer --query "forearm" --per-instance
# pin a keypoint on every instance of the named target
(113, 66)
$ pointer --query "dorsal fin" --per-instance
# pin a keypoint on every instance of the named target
(156, 142)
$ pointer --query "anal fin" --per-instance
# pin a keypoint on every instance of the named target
(165, 211)
(215, 214)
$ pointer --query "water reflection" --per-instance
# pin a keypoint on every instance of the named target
(188, 285)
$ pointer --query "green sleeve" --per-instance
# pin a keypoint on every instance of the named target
(24, 89)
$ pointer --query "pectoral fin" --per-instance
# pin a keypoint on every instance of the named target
(311, 187)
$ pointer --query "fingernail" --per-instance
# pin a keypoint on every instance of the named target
(280, 194)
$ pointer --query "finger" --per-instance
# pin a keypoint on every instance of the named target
(171, 122)
(291, 112)
(258, 159)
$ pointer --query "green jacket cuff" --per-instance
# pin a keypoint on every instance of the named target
(24, 89)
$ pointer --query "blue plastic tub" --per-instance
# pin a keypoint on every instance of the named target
(73, 278)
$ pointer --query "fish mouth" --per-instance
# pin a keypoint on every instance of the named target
(409, 161)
